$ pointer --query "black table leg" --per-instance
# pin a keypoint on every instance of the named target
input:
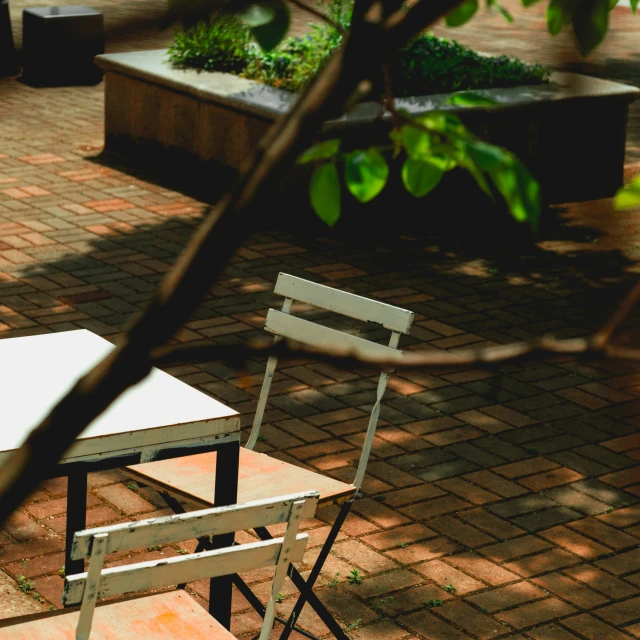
(76, 517)
(226, 492)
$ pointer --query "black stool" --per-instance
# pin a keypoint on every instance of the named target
(8, 65)
(59, 44)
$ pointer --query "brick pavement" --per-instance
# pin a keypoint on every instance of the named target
(500, 504)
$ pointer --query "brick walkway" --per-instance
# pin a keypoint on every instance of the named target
(506, 499)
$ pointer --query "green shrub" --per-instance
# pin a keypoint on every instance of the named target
(426, 65)
(434, 65)
(218, 45)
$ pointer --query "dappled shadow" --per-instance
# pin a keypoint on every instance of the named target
(464, 257)
(511, 295)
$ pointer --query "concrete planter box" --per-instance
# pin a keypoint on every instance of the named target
(570, 132)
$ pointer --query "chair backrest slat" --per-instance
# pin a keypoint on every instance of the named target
(87, 588)
(348, 304)
(157, 574)
(187, 526)
(284, 325)
(319, 336)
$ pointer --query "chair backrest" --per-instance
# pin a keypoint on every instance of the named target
(283, 325)
(87, 588)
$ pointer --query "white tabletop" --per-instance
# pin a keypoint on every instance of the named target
(159, 412)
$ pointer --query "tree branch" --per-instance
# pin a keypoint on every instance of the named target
(318, 14)
(604, 335)
(487, 357)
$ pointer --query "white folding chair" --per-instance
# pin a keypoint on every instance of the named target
(172, 615)
(260, 476)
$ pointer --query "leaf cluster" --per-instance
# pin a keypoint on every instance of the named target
(432, 144)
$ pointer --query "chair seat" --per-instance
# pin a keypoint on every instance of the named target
(173, 615)
(260, 477)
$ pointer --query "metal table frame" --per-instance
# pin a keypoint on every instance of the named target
(159, 418)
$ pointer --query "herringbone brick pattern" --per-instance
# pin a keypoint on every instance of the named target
(501, 503)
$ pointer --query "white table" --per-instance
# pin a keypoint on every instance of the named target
(158, 418)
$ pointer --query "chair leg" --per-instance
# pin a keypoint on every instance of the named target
(251, 597)
(172, 503)
(305, 587)
(259, 608)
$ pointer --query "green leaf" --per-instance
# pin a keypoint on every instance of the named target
(613, 3)
(442, 122)
(467, 162)
(416, 142)
(559, 14)
(462, 13)
(634, 5)
(322, 151)
(629, 196)
(520, 191)
(255, 15)
(443, 160)
(590, 24)
(517, 186)
(324, 193)
(478, 176)
(365, 173)
(270, 34)
(420, 176)
(505, 13)
(488, 157)
(528, 3)
(471, 99)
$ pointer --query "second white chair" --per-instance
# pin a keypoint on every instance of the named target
(192, 478)
(172, 615)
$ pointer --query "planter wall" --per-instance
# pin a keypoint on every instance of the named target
(570, 132)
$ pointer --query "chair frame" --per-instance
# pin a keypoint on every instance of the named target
(283, 325)
(86, 588)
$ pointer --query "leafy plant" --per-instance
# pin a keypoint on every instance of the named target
(376, 605)
(450, 588)
(333, 583)
(432, 603)
(352, 626)
(426, 65)
(25, 585)
(354, 577)
(279, 597)
(217, 44)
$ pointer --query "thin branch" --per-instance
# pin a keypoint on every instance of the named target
(488, 357)
(604, 335)
(318, 14)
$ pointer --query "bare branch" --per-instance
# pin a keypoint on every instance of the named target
(237, 355)
(604, 335)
